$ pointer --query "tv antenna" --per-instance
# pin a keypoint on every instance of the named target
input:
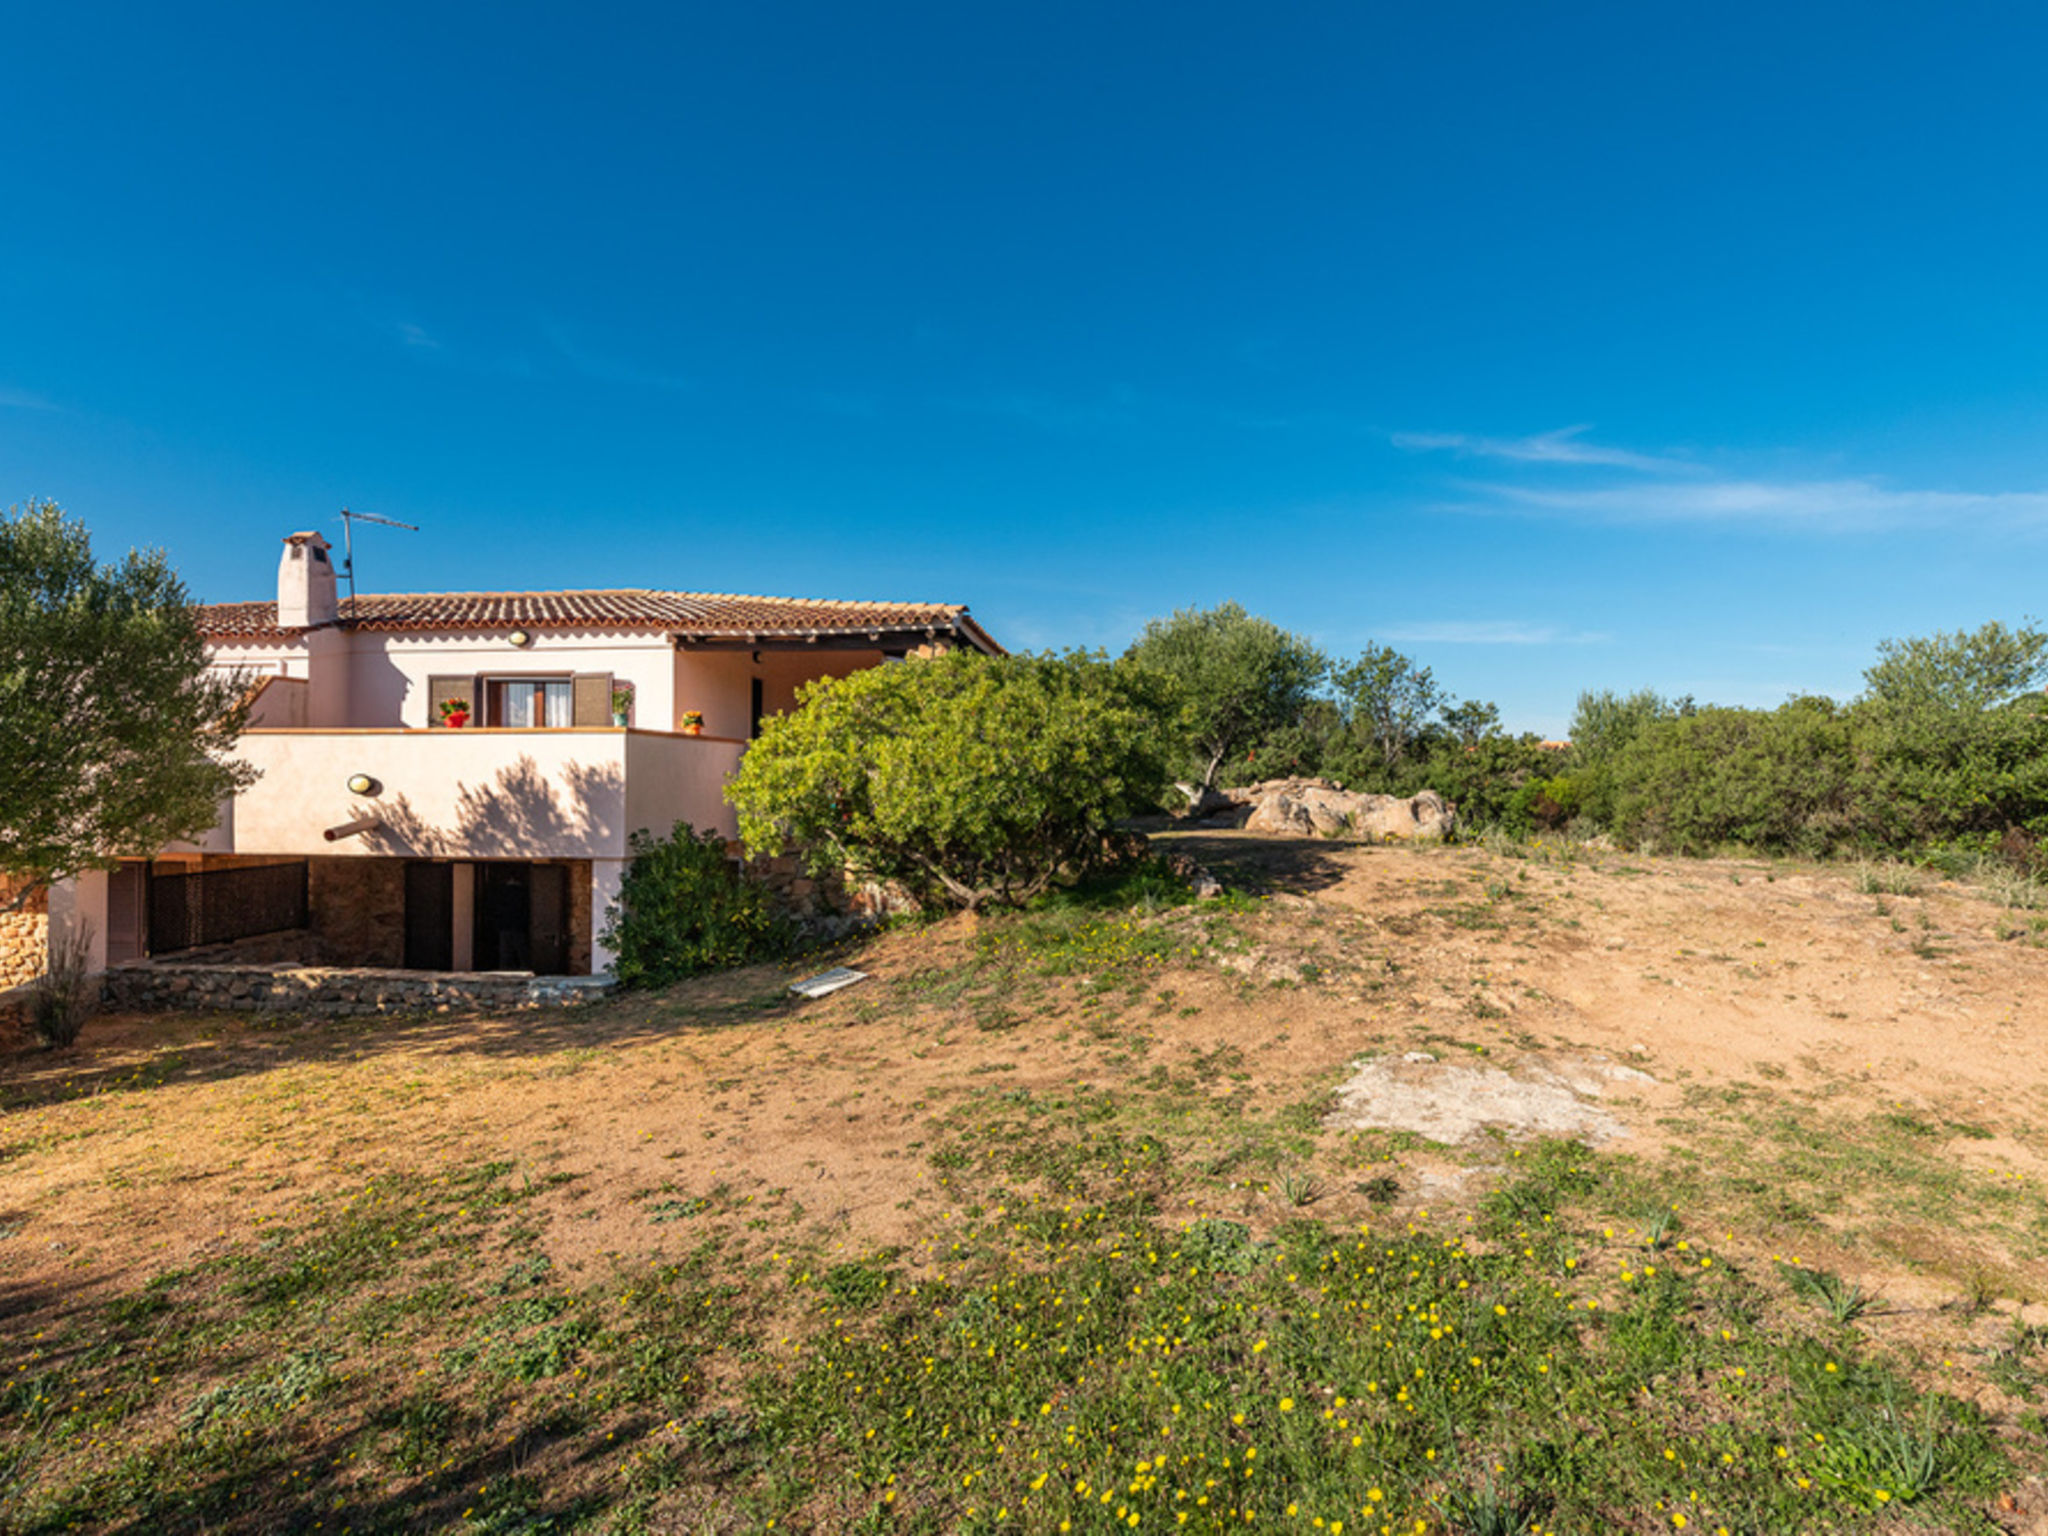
(348, 543)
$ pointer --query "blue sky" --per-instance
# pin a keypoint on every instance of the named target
(1561, 347)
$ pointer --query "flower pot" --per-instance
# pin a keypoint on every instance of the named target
(619, 719)
(455, 721)
(693, 730)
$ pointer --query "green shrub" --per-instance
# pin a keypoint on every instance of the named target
(684, 909)
(1757, 778)
(967, 779)
(1929, 770)
(1495, 782)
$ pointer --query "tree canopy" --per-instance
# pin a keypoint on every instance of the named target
(1237, 679)
(968, 779)
(1389, 699)
(1973, 669)
(113, 734)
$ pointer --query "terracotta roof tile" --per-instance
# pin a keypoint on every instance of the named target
(704, 615)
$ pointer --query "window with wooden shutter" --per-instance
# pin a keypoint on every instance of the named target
(441, 689)
(593, 699)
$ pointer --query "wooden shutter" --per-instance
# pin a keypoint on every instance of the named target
(440, 689)
(593, 699)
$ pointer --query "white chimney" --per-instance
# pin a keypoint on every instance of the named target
(305, 583)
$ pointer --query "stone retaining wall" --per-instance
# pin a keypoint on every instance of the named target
(335, 991)
(825, 907)
(14, 1005)
(24, 939)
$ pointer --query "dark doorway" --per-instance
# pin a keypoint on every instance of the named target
(429, 916)
(760, 700)
(522, 918)
(504, 917)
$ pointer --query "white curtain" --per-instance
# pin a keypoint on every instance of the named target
(516, 697)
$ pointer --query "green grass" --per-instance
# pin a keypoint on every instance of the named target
(1872, 1180)
(1069, 1356)
(1160, 1302)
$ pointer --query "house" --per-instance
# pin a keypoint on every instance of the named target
(384, 830)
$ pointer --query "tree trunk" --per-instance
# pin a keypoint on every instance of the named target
(22, 897)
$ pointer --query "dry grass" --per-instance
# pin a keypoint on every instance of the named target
(1829, 1087)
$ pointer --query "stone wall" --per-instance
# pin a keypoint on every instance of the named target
(826, 905)
(580, 929)
(24, 939)
(357, 909)
(333, 991)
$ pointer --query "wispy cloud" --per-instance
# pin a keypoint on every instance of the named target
(1487, 632)
(1567, 445)
(1679, 491)
(24, 400)
(1857, 505)
(416, 336)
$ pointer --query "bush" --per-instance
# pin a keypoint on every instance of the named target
(1935, 772)
(1778, 779)
(1495, 782)
(966, 779)
(1542, 805)
(64, 996)
(684, 909)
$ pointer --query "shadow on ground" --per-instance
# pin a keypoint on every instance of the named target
(1261, 864)
(134, 1052)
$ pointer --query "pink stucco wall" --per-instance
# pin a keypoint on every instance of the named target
(370, 680)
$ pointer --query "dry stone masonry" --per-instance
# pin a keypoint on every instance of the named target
(337, 991)
(24, 940)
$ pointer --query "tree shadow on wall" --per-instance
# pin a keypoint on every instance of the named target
(521, 814)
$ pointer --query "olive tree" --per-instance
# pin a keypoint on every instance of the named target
(968, 779)
(1389, 699)
(1236, 678)
(113, 734)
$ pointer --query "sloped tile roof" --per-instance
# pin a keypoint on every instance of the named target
(699, 615)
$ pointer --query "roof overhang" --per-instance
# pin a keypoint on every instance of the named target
(892, 638)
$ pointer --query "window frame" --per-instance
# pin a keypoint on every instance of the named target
(492, 689)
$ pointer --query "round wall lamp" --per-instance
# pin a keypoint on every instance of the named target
(520, 638)
(362, 784)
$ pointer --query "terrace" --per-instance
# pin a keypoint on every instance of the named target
(481, 794)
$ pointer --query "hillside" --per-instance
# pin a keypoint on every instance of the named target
(1745, 1160)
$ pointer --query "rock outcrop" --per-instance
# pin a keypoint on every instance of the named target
(1320, 808)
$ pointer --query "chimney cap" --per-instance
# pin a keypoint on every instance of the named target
(306, 538)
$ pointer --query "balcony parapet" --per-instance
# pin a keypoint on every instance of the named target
(506, 793)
